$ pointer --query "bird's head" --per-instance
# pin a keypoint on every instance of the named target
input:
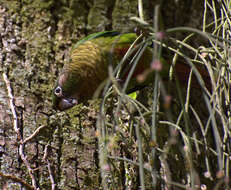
(63, 96)
(62, 102)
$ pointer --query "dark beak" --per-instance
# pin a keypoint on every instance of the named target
(66, 103)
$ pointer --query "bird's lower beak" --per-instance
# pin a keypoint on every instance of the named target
(66, 103)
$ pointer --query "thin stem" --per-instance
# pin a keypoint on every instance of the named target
(140, 156)
(140, 9)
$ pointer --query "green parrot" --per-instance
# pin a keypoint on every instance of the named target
(88, 67)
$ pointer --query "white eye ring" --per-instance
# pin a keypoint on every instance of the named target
(58, 91)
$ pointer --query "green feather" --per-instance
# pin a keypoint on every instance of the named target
(96, 35)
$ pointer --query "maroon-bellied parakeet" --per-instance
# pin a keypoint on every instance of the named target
(89, 62)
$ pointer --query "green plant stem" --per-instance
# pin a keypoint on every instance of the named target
(140, 156)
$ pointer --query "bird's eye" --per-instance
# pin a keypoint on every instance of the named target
(58, 91)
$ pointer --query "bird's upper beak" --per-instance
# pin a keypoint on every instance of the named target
(64, 103)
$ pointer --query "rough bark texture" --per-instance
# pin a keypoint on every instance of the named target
(35, 39)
